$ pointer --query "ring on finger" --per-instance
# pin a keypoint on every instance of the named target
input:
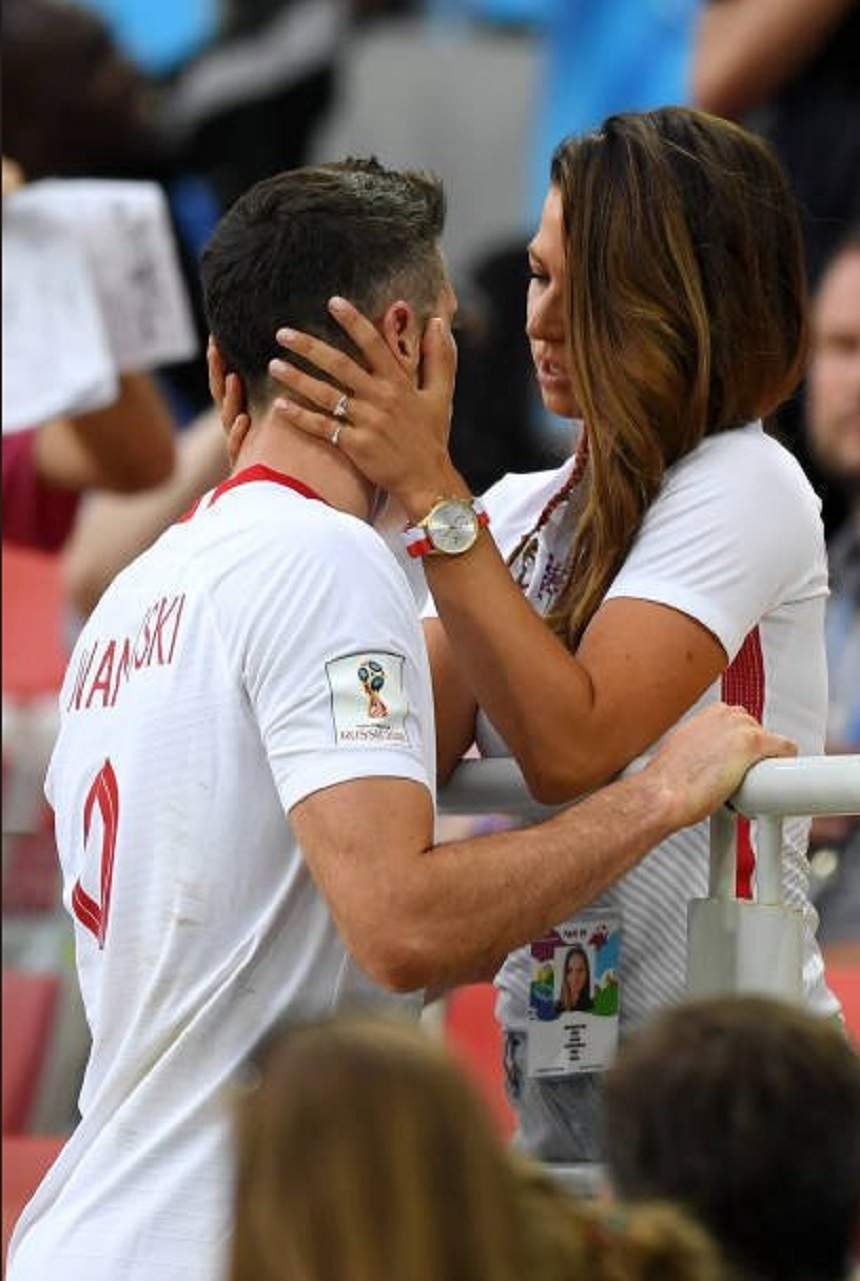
(335, 436)
(341, 409)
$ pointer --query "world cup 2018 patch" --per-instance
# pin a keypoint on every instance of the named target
(368, 699)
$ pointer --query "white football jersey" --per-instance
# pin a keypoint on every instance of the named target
(734, 539)
(265, 647)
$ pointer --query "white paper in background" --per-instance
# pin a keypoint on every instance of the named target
(126, 233)
(56, 354)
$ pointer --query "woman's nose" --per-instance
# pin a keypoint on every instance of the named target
(544, 319)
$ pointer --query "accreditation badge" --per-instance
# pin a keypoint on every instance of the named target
(574, 996)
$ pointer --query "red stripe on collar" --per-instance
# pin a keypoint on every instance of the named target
(259, 471)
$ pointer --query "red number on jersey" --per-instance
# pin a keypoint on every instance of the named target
(104, 793)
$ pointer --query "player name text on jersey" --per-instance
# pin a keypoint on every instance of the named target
(118, 659)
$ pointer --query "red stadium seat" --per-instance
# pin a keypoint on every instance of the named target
(26, 1158)
(29, 1006)
(31, 875)
(473, 1036)
(34, 657)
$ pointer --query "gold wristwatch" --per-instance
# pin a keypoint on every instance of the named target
(450, 528)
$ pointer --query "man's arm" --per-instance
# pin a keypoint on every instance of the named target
(124, 447)
(745, 49)
(417, 916)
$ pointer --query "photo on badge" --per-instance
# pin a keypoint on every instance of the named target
(574, 996)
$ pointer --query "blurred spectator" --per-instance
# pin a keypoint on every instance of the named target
(789, 68)
(111, 530)
(833, 425)
(630, 55)
(794, 65)
(504, 12)
(746, 1112)
(74, 107)
(408, 94)
(833, 412)
(13, 176)
(126, 447)
(247, 106)
(159, 36)
(364, 1153)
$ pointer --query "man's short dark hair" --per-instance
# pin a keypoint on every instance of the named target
(747, 1112)
(354, 228)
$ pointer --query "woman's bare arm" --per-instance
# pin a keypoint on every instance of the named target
(571, 721)
(454, 703)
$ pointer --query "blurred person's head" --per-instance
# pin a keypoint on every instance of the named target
(364, 1153)
(746, 1111)
(576, 980)
(667, 303)
(73, 106)
(833, 403)
(354, 229)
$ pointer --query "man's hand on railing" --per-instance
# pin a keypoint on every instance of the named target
(703, 761)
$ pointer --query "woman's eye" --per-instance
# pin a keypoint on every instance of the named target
(538, 275)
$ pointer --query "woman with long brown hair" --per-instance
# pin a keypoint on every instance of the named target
(575, 992)
(364, 1154)
(675, 559)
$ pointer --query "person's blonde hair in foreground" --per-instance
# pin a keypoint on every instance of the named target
(365, 1155)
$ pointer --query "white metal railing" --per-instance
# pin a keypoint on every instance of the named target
(733, 945)
(802, 785)
(772, 790)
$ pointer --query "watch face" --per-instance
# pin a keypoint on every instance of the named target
(452, 527)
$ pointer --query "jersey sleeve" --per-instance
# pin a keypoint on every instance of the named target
(330, 653)
(734, 534)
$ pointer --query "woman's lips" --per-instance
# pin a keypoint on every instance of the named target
(552, 376)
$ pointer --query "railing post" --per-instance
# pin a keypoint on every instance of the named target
(735, 945)
(723, 859)
(768, 864)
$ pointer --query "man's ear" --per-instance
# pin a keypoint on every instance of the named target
(217, 372)
(403, 333)
(228, 393)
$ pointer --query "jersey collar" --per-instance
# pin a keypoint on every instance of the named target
(259, 471)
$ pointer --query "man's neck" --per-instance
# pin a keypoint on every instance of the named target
(315, 463)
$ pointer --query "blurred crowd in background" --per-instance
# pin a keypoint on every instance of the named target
(206, 97)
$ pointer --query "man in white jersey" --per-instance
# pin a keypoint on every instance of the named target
(244, 776)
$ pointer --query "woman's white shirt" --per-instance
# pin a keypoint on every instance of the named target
(734, 540)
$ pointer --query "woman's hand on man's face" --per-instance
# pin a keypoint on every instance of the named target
(395, 431)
